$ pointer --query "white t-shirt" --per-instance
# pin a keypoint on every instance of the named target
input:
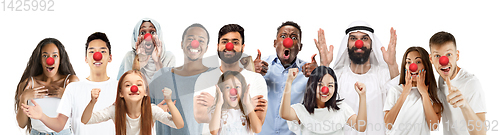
(206, 83)
(377, 81)
(231, 122)
(78, 95)
(454, 122)
(133, 125)
(322, 121)
(411, 117)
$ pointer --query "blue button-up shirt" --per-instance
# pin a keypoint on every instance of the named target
(276, 79)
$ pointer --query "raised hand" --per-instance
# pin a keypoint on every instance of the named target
(220, 98)
(360, 88)
(58, 92)
(164, 106)
(34, 112)
(260, 66)
(259, 103)
(408, 82)
(158, 48)
(95, 94)
(309, 67)
(421, 86)
(454, 97)
(247, 101)
(292, 74)
(325, 54)
(205, 99)
(390, 54)
(167, 93)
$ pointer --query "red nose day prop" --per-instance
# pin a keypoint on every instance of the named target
(195, 44)
(147, 37)
(324, 90)
(443, 60)
(97, 56)
(413, 67)
(288, 42)
(50, 61)
(134, 89)
(233, 92)
(358, 44)
(229, 46)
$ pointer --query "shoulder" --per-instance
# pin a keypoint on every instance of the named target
(73, 78)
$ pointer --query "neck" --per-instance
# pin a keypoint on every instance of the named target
(50, 79)
(288, 65)
(230, 67)
(134, 109)
(320, 104)
(96, 76)
(190, 66)
(455, 73)
(361, 68)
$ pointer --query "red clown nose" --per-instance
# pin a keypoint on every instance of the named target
(50, 61)
(148, 37)
(358, 44)
(97, 56)
(229, 46)
(324, 90)
(413, 67)
(233, 92)
(134, 89)
(195, 44)
(288, 42)
(444, 60)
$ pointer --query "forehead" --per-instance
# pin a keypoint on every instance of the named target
(196, 31)
(288, 28)
(97, 43)
(358, 33)
(147, 24)
(327, 78)
(443, 47)
(50, 47)
(231, 35)
(132, 77)
(413, 54)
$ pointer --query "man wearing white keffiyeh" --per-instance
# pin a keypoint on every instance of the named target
(371, 63)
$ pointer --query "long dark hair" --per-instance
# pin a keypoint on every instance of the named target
(312, 84)
(121, 108)
(34, 68)
(226, 76)
(430, 81)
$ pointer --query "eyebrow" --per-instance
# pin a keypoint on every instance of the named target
(194, 35)
(99, 48)
(415, 58)
(234, 39)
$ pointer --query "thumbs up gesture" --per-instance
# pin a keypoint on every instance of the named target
(454, 97)
(260, 66)
(309, 67)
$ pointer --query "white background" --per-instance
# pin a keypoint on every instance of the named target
(474, 24)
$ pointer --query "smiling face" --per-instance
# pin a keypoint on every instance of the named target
(359, 56)
(414, 57)
(195, 33)
(449, 50)
(230, 99)
(329, 82)
(129, 81)
(97, 46)
(234, 55)
(148, 27)
(287, 55)
(50, 51)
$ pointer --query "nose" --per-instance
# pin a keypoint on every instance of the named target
(50, 61)
(324, 90)
(288, 42)
(358, 44)
(413, 67)
(147, 37)
(229, 46)
(233, 92)
(134, 89)
(444, 60)
(97, 56)
(195, 44)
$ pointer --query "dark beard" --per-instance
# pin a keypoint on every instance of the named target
(236, 57)
(357, 58)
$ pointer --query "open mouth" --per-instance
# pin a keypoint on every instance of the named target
(233, 98)
(286, 54)
(446, 69)
(414, 74)
(134, 94)
(325, 95)
(50, 69)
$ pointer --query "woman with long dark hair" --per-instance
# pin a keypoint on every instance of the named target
(413, 106)
(322, 111)
(45, 78)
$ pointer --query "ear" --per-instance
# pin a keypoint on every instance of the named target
(86, 59)
(110, 58)
(120, 94)
(430, 59)
(300, 46)
(182, 47)
(242, 48)
(458, 55)
(275, 42)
